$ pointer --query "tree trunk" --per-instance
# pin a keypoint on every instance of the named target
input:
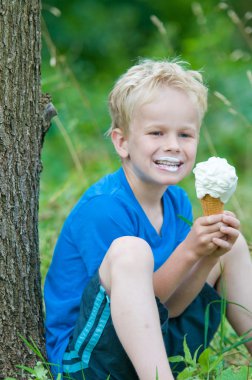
(21, 135)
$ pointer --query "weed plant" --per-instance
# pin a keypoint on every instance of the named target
(214, 363)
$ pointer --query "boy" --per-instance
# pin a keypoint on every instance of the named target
(125, 261)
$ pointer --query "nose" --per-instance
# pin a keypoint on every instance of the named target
(171, 143)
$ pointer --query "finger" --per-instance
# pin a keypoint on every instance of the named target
(230, 232)
(231, 221)
(212, 228)
(211, 219)
(230, 213)
(222, 243)
(218, 234)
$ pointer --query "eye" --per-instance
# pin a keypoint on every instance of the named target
(186, 135)
(183, 134)
(156, 133)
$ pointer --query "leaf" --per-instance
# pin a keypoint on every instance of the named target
(204, 359)
(207, 316)
(196, 354)
(27, 369)
(188, 356)
(187, 373)
(32, 346)
(236, 344)
(176, 359)
(215, 364)
(40, 372)
(185, 220)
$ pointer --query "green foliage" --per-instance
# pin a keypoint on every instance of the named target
(41, 371)
(231, 373)
(208, 366)
(87, 47)
(213, 363)
(101, 37)
(38, 372)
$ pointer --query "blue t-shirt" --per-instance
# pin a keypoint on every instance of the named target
(106, 211)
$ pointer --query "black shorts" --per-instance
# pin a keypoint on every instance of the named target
(94, 351)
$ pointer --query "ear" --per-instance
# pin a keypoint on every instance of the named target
(120, 142)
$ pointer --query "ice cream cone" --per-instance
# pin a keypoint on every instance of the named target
(211, 205)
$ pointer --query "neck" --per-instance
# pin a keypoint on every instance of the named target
(146, 193)
(149, 196)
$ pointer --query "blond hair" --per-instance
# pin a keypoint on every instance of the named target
(138, 84)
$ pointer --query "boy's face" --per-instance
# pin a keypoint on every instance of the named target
(161, 145)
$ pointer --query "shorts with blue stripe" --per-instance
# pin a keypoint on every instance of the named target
(94, 351)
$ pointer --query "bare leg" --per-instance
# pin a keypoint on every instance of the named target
(237, 279)
(127, 273)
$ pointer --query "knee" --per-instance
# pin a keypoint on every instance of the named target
(130, 252)
(126, 255)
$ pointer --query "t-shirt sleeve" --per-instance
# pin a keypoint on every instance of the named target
(96, 224)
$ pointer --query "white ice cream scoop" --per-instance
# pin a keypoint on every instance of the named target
(216, 178)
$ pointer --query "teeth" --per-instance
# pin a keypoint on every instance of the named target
(169, 160)
(163, 162)
(171, 168)
(170, 164)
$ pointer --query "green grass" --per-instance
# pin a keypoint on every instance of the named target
(225, 359)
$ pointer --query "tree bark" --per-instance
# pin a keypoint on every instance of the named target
(22, 128)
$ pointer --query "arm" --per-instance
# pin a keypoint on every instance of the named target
(184, 273)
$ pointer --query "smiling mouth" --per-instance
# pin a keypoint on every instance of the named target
(170, 164)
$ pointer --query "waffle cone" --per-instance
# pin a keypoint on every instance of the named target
(211, 205)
